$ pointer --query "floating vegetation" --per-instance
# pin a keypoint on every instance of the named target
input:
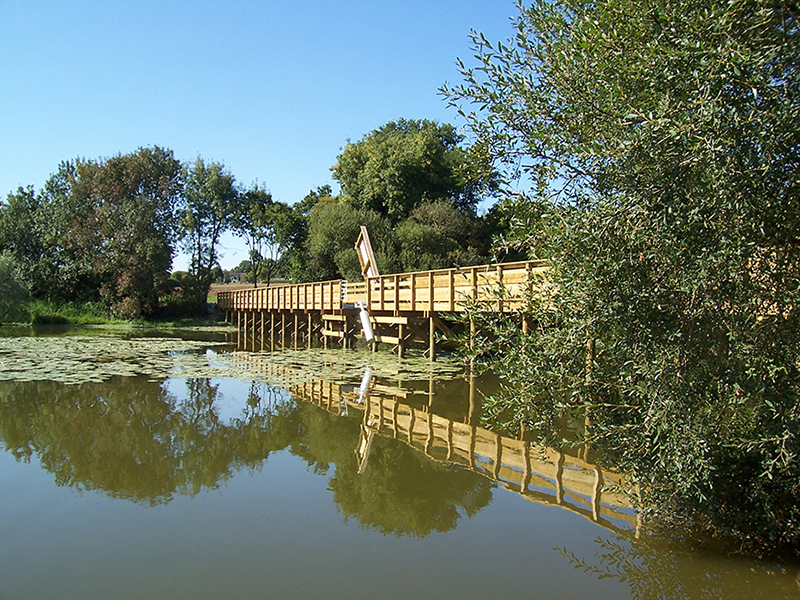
(289, 368)
(81, 358)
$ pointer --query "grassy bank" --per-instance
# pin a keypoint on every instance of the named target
(42, 312)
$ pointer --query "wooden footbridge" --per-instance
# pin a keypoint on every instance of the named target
(537, 473)
(402, 309)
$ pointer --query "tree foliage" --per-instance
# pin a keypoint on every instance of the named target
(263, 223)
(334, 225)
(662, 156)
(410, 183)
(98, 230)
(405, 163)
(13, 292)
(136, 199)
(211, 200)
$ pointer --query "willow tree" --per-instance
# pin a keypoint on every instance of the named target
(660, 146)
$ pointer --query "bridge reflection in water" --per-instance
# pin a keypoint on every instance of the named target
(537, 473)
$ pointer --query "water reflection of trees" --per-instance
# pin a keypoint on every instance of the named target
(134, 439)
(656, 568)
(403, 492)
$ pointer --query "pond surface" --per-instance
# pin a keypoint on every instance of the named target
(153, 467)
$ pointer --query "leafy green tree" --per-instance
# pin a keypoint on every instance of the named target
(64, 224)
(436, 235)
(399, 166)
(217, 274)
(136, 197)
(294, 232)
(332, 232)
(244, 266)
(19, 230)
(211, 202)
(13, 292)
(98, 230)
(263, 223)
(661, 148)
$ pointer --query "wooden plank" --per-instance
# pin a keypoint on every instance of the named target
(388, 339)
(388, 320)
(340, 318)
(333, 333)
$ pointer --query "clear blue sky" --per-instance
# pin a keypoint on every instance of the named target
(273, 89)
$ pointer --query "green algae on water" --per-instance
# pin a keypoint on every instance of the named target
(81, 359)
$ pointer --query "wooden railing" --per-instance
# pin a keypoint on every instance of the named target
(318, 296)
(501, 287)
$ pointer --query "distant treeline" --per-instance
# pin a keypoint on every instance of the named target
(107, 230)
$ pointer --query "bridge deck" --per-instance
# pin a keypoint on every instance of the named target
(501, 286)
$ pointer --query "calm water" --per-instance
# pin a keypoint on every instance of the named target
(355, 480)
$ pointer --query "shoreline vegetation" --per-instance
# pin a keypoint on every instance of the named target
(48, 312)
(95, 314)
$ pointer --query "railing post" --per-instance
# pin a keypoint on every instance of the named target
(397, 295)
(500, 288)
(452, 286)
(430, 291)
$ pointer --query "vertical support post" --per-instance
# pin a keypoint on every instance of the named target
(310, 330)
(432, 338)
(474, 284)
(296, 328)
(396, 295)
(451, 284)
(500, 289)
(430, 292)
(400, 341)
